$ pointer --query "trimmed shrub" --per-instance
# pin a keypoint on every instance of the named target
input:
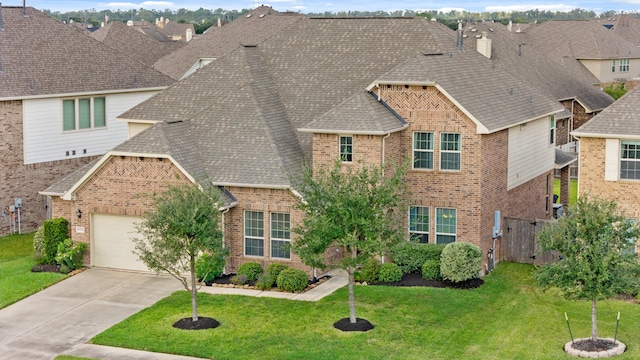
(411, 255)
(250, 270)
(390, 272)
(55, 231)
(460, 261)
(70, 254)
(209, 266)
(292, 280)
(431, 270)
(38, 246)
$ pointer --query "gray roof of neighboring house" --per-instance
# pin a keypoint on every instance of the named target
(262, 23)
(236, 122)
(42, 56)
(511, 51)
(620, 120)
(579, 39)
(135, 44)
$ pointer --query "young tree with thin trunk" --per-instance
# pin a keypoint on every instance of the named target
(183, 222)
(596, 244)
(354, 209)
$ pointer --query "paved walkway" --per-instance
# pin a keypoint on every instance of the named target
(63, 317)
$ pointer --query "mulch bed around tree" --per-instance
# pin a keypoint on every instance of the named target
(202, 323)
(416, 279)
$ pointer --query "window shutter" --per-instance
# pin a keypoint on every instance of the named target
(612, 160)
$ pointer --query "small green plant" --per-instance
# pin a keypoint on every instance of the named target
(251, 270)
(411, 255)
(55, 231)
(431, 270)
(389, 272)
(369, 271)
(292, 280)
(460, 261)
(70, 254)
(239, 280)
(38, 246)
(209, 266)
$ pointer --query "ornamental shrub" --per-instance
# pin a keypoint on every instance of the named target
(292, 280)
(250, 270)
(431, 270)
(411, 255)
(209, 266)
(389, 272)
(55, 231)
(70, 254)
(460, 261)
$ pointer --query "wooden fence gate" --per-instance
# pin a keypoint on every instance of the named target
(520, 243)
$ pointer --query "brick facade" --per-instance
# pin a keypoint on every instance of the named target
(18, 180)
(626, 193)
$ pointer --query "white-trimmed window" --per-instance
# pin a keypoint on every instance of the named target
(630, 160)
(450, 151)
(419, 223)
(613, 66)
(280, 235)
(552, 130)
(445, 225)
(253, 233)
(624, 65)
(346, 148)
(423, 150)
(83, 113)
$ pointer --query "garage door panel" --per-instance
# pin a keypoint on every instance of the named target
(112, 246)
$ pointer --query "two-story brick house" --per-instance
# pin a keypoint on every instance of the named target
(365, 89)
(61, 92)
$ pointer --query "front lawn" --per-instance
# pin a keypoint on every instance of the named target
(506, 318)
(16, 279)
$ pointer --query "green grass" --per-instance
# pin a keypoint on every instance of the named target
(573, 190)
(506, 318)
(16, 279)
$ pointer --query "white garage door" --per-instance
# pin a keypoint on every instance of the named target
(112, 246)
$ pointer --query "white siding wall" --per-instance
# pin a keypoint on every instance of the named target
(44, 139)
(530, 153)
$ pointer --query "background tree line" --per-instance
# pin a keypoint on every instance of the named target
(203, 18)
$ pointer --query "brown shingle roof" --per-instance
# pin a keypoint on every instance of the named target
(42, 56)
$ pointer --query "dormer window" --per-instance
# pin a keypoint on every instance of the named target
(346, 148)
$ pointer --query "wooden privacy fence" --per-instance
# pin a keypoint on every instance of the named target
(520, 243)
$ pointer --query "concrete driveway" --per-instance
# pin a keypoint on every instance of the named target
(68, 314)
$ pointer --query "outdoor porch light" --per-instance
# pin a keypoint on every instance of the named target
(79, 213)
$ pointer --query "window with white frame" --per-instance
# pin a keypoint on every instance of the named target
(253, 233)
(445, 225)
(630, 160)
(552, 130)
(423, 150)
(613, 66)
(280, 235)
(624, 65)
(419, 223)
(449, 151)
(346, 148)
(83, 113)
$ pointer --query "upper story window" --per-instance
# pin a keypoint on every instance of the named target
(552, 130)
(419, 223)
(83, 113)
(280, 235)
(624, 65)
(254, 233)
(423, 150)
(449, 151)
(613, 66)
(445, 225)
(630, 160)
(346, 148)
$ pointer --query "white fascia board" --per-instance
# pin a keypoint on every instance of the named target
(69, 194)
(86, 93)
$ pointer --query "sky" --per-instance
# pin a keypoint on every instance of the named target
(319, 6)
